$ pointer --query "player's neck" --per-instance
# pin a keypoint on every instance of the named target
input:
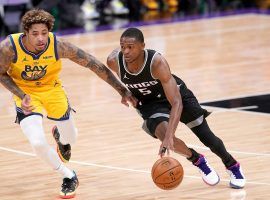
(137, 64)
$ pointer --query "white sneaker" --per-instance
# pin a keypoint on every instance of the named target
(116, 7)
(209, 175)
(237, 178)
(89, 10)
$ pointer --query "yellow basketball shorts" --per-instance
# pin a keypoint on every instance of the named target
(53, 102)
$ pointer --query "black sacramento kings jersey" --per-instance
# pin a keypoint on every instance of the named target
(150, 93)
(142, 85)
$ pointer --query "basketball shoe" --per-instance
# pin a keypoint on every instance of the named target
(69, 187)
(64, 151)
(209, 175)
(237, 178)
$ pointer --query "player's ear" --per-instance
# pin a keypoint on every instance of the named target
(143, 44)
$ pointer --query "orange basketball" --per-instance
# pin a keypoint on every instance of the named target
(167, 173)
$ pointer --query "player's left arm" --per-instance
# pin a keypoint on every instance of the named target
(161, 71)
(79, 56)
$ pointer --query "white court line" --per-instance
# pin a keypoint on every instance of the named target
(121, 168)
(236, 97)
(235, 152)
(215, 110)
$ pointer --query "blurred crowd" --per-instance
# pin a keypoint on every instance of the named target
(92, 13)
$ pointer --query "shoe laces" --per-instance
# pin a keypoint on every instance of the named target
(203, 166)
(235, 171)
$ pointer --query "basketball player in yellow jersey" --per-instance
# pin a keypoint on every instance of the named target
(30, 63)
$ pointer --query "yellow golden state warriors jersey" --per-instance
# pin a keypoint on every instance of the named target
(37, 72)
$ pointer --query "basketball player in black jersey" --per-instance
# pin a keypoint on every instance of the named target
(163, 100)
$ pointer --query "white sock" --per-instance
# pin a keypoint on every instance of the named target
(66, 173)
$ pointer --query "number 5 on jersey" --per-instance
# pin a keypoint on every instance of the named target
(145, 91)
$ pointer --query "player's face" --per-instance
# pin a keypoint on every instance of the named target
(37, 37)
(131, 48)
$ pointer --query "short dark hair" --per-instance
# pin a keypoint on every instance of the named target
(133, 33)
(37, 16)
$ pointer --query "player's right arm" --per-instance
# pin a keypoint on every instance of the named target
(7, 55)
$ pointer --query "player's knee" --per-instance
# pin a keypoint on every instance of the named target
(73, 136)
(68, 131)
(40, 147)
(161, 130)
(160, 135)
(69, 136)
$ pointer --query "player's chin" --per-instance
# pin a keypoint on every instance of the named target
(129, 60)
(40, 48)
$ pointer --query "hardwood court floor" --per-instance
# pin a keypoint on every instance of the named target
(217, 58)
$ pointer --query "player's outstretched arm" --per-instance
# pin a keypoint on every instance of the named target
(7, 54)
(77, 55)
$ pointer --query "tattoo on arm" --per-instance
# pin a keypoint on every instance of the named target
(7, 54)
(77, 55)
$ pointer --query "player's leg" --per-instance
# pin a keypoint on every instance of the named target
(193, 116)
(67, 137)
(157, 127)
(68, 130)
(216, 145)
(32, 128)
(56, 104)
(65, 131)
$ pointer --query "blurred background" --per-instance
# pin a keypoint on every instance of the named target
(93, 15)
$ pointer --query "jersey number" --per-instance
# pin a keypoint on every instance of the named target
(145, 91)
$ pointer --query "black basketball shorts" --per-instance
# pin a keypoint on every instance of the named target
(154, 113)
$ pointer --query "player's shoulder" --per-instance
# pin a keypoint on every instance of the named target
(6, 41)
(112, 57)
(6, 45)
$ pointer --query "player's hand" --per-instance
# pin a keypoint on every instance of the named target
(166, 145)
(26, 105)
(128, 97)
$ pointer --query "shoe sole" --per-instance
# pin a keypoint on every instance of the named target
(67, 197)
(57, 149)
(212, 184)
(235, 186)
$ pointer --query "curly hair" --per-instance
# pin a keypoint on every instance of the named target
(37, 16)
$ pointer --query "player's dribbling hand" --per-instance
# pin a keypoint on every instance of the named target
(128, 97)
(166, 145)
(26, 105)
